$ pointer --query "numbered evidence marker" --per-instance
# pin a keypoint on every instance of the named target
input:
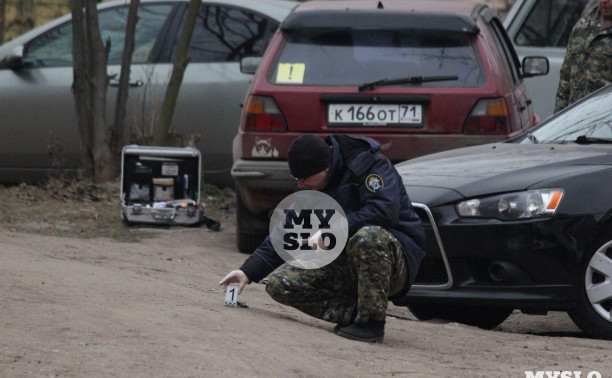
(231, 295)
(290, 73)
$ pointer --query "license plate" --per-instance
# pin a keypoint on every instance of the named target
(375, 115)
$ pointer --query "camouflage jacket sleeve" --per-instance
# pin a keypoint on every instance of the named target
(562, 98)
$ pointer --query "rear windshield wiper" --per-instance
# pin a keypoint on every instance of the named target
(583, 139)
(406, 80)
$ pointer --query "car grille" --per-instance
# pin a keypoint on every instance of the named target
(431, 272)
(434, 272)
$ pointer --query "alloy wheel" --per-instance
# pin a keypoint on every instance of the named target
(598, 281)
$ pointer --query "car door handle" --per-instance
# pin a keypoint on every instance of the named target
(137, 83)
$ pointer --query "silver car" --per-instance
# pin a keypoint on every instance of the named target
(542, 27)
(38, 125)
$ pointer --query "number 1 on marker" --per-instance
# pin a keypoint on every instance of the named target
(231, 295)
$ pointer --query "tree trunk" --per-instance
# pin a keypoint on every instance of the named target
(2, 19)
(80, 85)
(121, 131)
(90, 85)
(25, 16)
(104, 166)
(160, 137)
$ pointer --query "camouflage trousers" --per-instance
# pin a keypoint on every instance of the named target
(353, 288)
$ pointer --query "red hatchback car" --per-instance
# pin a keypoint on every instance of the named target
(417, 76)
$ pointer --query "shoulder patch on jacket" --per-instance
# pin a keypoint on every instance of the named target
(374, 182)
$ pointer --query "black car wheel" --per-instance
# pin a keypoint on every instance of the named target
(594, 314)
(481, 317)
(251, 229)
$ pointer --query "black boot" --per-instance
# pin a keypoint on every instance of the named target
(371, 332)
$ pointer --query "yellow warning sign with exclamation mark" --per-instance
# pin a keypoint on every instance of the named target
(290, 73)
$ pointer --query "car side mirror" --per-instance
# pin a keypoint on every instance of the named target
(535, 66)
(14, 60)
(249, 64)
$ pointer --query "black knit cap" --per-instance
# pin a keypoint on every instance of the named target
(308, 155)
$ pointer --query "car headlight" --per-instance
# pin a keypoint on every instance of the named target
(517, 205)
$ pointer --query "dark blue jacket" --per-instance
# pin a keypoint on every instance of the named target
(382, 202)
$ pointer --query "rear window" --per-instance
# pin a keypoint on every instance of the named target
(353, 57)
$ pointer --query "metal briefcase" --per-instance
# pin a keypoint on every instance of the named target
(161, 185)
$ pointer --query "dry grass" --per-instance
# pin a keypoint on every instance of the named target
(65, 207)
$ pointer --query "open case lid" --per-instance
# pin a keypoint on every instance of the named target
(160, 151)
(162, 162)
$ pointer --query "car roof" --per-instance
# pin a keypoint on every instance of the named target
(454, 6)
(452, 16)
(276, 9)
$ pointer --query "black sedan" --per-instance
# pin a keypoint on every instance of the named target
(525, 224)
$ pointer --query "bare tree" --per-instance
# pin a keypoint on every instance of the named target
(25, 17)
(121, 131)
(160, 137)
(99, 141)
(90, 56)
(2, 19)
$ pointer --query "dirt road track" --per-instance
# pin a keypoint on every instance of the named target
(73, 307)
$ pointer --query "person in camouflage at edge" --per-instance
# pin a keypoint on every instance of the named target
(385, 247)
(588, 61)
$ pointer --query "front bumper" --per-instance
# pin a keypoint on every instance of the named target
(527, 264)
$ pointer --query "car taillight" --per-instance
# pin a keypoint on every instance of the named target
(489, 116)
(263, 114)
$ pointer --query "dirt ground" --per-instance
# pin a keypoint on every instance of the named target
(82, 295)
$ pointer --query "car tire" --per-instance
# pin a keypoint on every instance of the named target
(594, 312)
(251, 228)
(481, 317)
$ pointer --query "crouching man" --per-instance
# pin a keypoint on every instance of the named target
(384, 250)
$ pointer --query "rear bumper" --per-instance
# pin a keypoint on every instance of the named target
(262, 184)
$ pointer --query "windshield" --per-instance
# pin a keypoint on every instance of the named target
(592, 119)
(353, 57)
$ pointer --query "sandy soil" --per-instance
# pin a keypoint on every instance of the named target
(98, 307)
